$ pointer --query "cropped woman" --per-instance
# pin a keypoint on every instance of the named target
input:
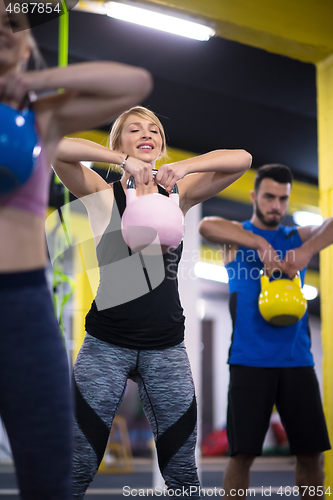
(34, 380)
(141, 335)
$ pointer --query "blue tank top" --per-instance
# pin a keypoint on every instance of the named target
(254, 341)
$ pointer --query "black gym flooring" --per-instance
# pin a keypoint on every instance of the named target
(270, 475)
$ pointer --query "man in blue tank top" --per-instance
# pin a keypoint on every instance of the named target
(270, 365)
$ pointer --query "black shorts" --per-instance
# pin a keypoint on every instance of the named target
(253, 391)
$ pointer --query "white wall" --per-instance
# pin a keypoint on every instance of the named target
(317, 351)
(217, 311)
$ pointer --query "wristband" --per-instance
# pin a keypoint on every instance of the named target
(122, 165)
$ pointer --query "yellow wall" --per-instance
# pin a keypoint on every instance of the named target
(83, 298)
(325, 141)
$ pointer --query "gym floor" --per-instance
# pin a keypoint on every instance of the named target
(270, 475)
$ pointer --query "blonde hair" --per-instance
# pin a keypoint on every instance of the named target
(36, 59)
(146, 114)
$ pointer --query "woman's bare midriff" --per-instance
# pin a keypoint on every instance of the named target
(22, 241)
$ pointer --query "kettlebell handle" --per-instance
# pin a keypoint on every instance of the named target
(27, 102)
(174, 194)
(263, 272)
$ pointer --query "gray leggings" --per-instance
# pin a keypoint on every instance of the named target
(167, 394)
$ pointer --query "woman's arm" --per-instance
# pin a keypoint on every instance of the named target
(212, 172)
(92, 94)
(80, 180)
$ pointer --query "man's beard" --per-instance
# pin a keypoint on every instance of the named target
(269, 222)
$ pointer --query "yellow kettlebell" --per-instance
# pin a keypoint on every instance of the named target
(281, 302)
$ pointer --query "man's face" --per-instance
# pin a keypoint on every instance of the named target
(271, 202)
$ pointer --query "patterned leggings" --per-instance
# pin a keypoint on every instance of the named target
(167, 394)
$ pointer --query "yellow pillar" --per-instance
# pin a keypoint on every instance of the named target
(325, 141)
(83, 298)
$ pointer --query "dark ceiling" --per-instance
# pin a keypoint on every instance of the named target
(215, 94)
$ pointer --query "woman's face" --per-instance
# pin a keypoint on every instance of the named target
(141, 139)
(14, 47)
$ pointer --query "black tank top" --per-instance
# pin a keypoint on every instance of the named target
(137, 302)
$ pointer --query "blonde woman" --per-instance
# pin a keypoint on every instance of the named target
(140, 339)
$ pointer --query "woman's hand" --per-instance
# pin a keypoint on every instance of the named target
(140, 170)
(169, 173)
(93, 93)
(14, 87)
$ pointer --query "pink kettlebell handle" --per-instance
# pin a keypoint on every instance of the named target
(131, 192)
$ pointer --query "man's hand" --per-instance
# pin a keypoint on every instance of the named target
(295, 260)
(269, 257)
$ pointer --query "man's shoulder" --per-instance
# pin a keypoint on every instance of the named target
(288, 231)
(247, 224)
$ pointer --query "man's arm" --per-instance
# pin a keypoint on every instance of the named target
(231, 234)
(314, 238)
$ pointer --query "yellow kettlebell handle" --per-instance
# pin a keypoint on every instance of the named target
(264, 279)
(297, 279)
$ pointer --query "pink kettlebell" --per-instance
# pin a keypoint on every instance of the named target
(152, 222)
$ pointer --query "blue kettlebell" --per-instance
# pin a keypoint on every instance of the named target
(19, 148)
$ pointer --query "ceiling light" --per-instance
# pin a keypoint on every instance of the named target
(310, 292)
(157, 20)
(211, 272)
(307, 219)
